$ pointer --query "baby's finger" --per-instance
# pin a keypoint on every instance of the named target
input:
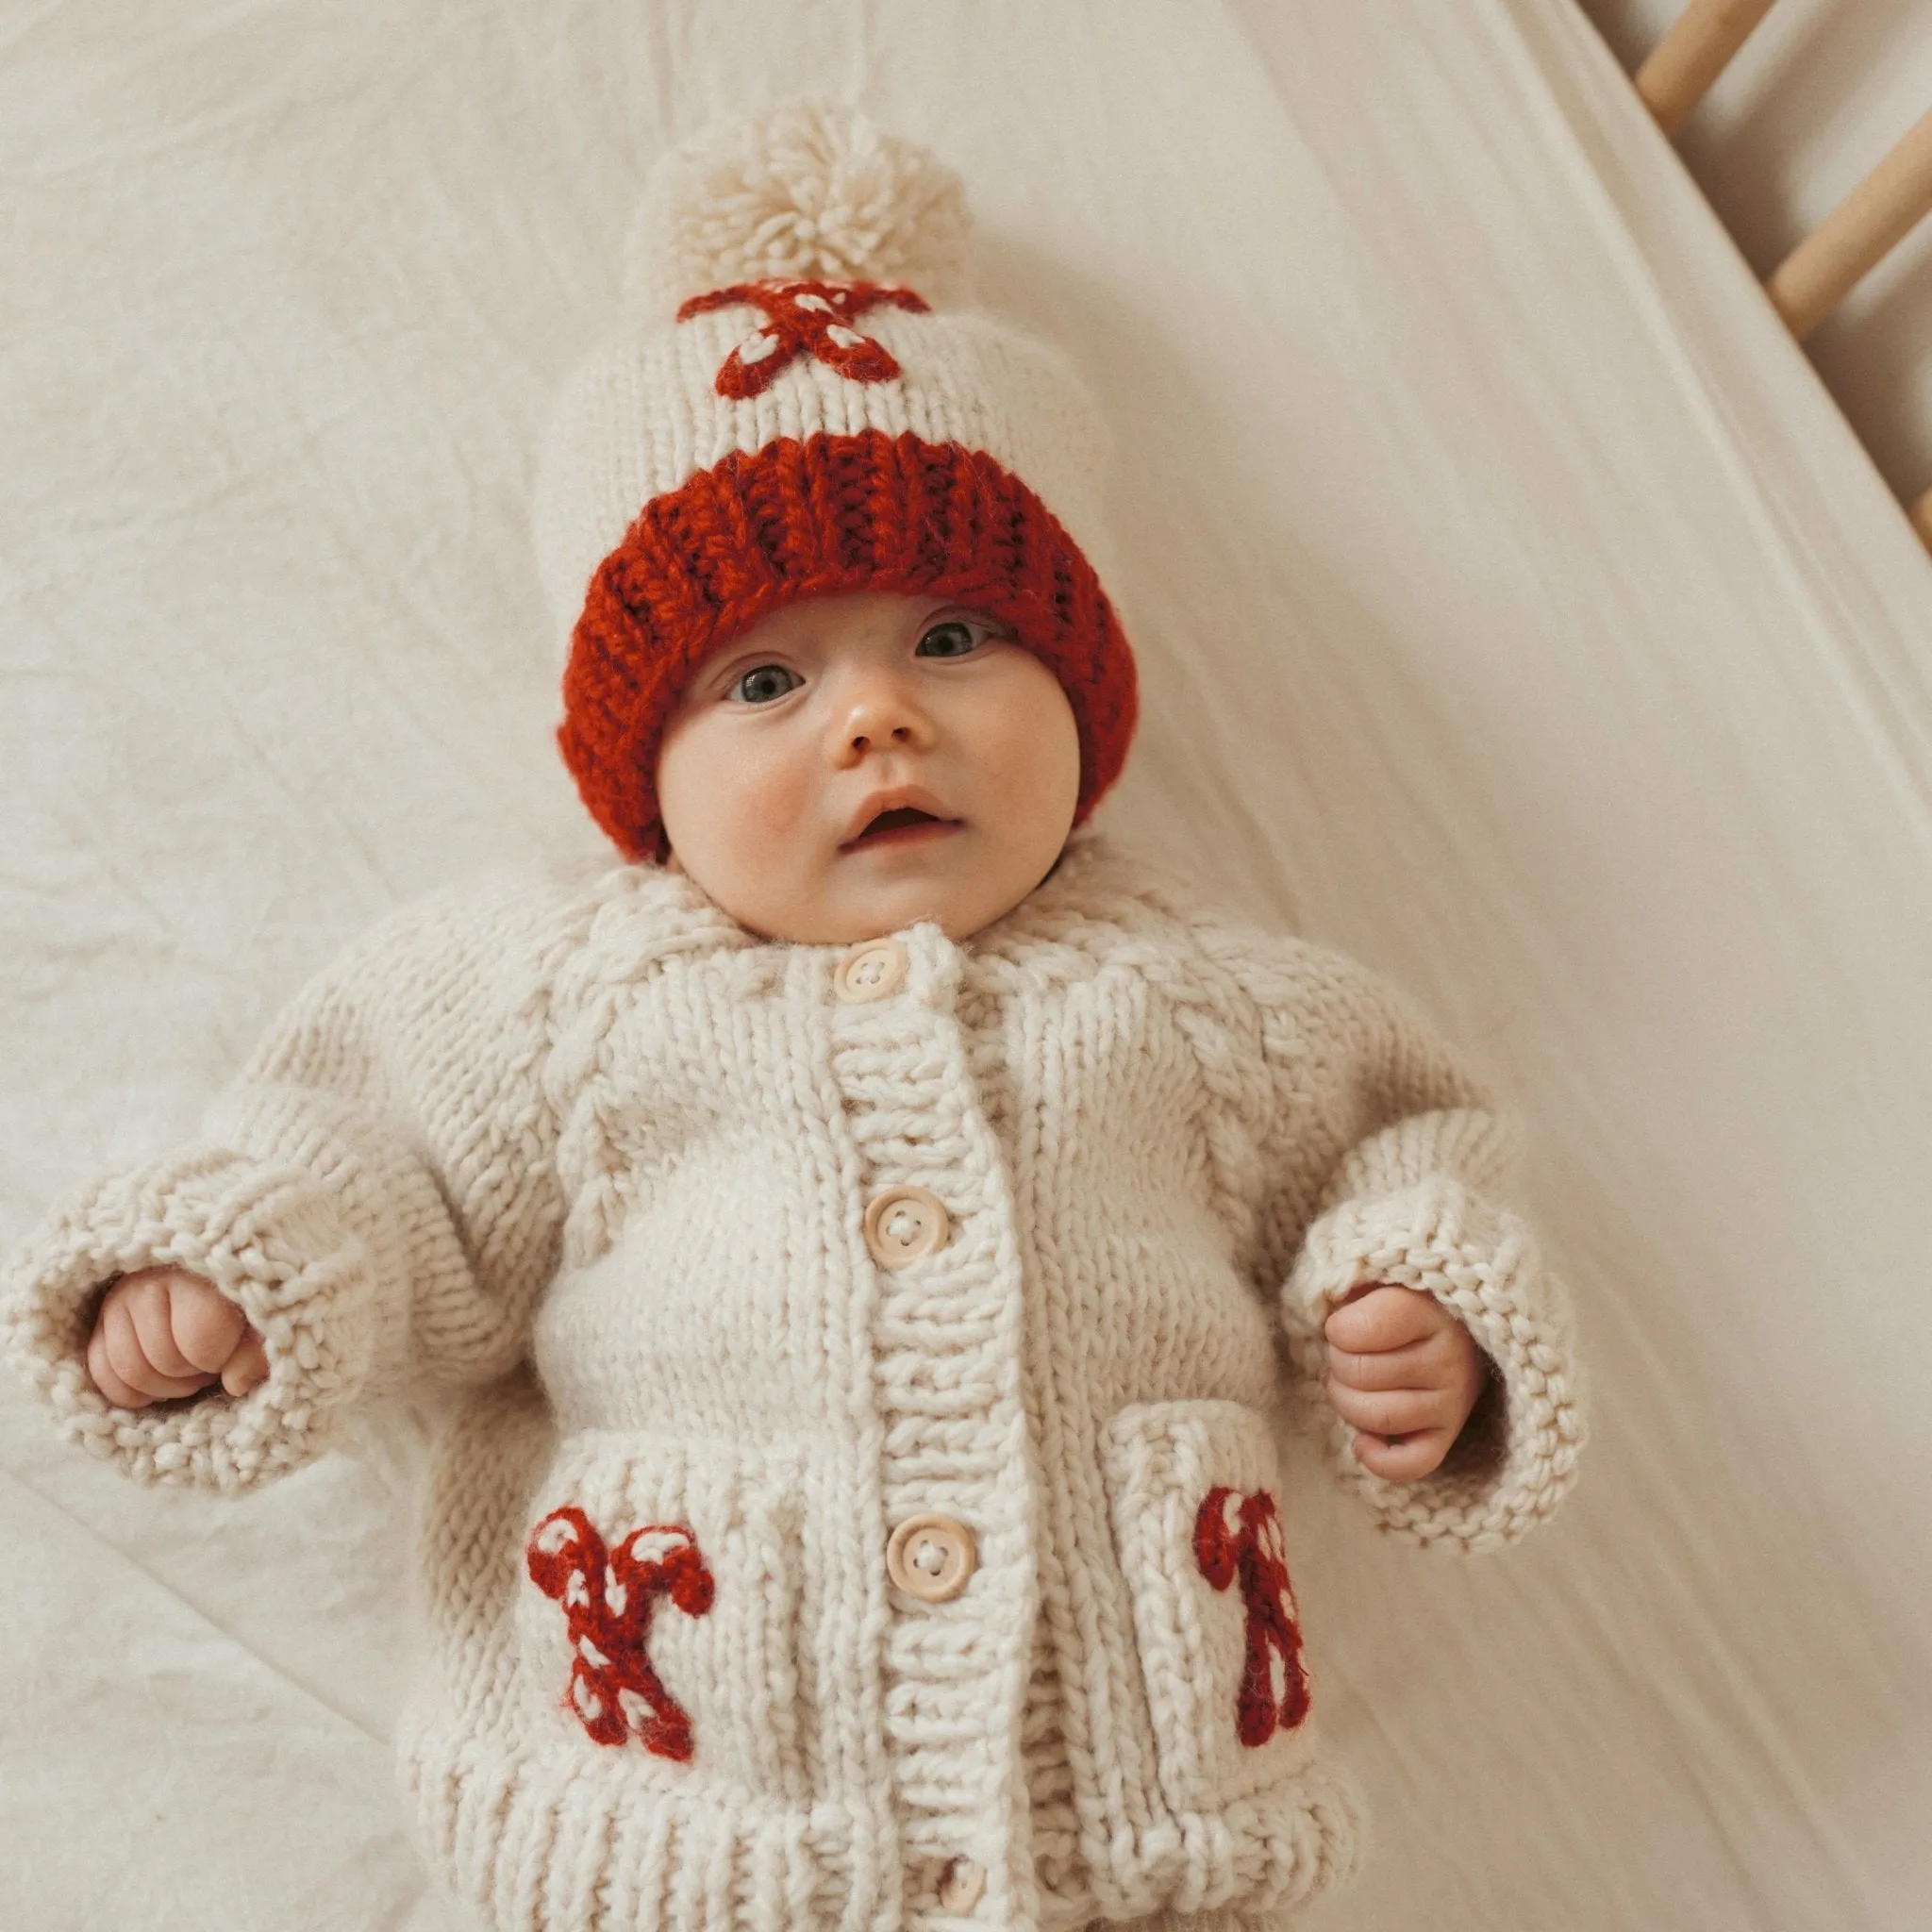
(1425, 1364)
(149, 1306)
(1388, 1411)
(1382, 1316)
(247, 1368)
(110, 1385)
(1406, 1460)
(121, 1350)
(207, 1324)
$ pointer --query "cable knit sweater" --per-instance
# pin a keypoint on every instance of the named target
(865, 1511)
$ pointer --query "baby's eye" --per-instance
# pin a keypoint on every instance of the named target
(953, 638)
(764, 682)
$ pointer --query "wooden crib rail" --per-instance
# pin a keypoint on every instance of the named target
(1685, 63)
(1856, 236)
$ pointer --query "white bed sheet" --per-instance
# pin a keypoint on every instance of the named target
(1514, 608)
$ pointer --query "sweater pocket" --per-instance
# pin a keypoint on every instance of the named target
(658, 1618)
(1194, 1490)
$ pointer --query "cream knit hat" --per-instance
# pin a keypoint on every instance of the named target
(805, 411)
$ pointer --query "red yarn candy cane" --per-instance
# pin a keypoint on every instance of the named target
(607, 1597)
(803, 318)
(1236, 1535)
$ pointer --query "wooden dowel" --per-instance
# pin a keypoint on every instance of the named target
(1922, 518)
(1865, 227)
(1684, 64)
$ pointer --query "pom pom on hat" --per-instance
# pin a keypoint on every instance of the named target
(803, 191)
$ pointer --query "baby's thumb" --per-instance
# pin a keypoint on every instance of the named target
(247, 1368)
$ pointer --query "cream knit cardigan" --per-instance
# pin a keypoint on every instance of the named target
(603, 1158)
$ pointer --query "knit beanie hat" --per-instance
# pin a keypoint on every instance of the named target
(808, 408)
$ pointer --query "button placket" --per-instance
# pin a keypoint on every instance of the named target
(945, 1377)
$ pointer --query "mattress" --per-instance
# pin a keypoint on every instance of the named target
(1514, 608)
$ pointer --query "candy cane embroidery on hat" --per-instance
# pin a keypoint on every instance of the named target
(801, 319)
(809, 407)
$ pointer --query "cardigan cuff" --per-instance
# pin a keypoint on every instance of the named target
(273, 1241)
(1516, 1456)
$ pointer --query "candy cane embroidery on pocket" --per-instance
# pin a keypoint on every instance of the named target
(607, 1597)
(1236, 1535)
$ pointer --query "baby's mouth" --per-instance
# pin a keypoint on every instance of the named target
(903, 825)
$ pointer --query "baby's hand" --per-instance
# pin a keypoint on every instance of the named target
(1406, 1373)
(164, 1333)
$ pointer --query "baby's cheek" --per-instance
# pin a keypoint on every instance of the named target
(731, 801)
(1030, 756)
(768, 809)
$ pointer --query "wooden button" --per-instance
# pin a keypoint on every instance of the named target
(869, 972)
(962, 1884)
(903, 1223)
(931, 1558)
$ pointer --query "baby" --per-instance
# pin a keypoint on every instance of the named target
(863, 1221)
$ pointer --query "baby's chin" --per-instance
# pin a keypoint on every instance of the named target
(851, 906)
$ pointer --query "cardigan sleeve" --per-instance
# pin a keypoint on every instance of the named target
(377, 1191)
(1382, 1161)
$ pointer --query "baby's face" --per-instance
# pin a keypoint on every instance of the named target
(851, 765)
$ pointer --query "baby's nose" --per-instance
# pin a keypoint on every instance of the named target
(881, 719)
